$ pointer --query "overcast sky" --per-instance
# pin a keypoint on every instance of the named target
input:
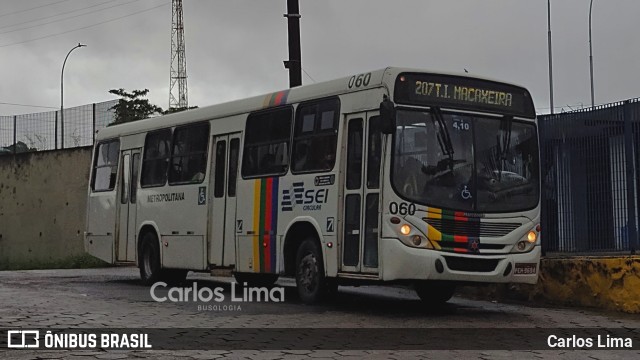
(235, 48)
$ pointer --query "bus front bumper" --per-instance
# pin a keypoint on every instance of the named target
(401, 262)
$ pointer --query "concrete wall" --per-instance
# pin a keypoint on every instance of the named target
(42, 206)
(606, 282)
(611, 283)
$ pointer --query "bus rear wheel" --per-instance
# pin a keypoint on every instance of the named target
(311, 282)
(149, 259)
(434, 292)
(149, 263)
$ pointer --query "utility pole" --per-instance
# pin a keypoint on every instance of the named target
(178, 70)
(591, 55)
(294, 64)
(550, 56)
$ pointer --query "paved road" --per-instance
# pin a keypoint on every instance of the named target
(113, 298)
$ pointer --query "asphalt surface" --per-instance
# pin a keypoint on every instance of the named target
(113, 298)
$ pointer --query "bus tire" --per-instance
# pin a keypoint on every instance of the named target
(255, 279)
(149, 259)
(311, 283)
(434, 292)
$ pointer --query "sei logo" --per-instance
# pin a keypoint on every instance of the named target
(310, 199)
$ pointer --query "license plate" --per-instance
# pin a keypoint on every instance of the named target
(525, 269)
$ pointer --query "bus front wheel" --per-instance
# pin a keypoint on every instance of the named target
(434, 292)
(311, 282)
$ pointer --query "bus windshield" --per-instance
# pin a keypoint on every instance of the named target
(465, 162)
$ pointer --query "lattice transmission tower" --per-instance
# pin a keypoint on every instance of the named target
(178, 72)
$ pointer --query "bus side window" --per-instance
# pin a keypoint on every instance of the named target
(234, 149)
(155, 160)
(135, 168)
(374, 153)
(189, 155)
(315, 136)
(105, 166)
(221, 155)
(266, 144)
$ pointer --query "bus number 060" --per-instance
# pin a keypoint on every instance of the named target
(402, 208)
(359, 80)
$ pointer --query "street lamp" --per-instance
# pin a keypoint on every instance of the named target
(591, 53)
(62, 97)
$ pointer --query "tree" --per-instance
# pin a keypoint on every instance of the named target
(175, 110)
(19, 147)
(133, 106)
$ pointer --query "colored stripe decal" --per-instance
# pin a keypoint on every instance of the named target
(278, 99)
(274, 223)
(266, 101)
(265, 215)
(460, 239)
(281, 99)
(447, 239)
(275, 99)
(268, 230)
(262, 230)
(256, 226)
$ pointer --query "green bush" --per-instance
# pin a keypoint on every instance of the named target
(83, 261)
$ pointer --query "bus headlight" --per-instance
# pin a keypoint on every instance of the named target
(527, 242)
(522, 245)
(410, 236)
(416, 241)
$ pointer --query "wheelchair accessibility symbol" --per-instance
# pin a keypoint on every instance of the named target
(466, 194)
(202, 195)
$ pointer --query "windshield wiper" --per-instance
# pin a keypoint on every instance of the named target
(504, 145)
(444, 140)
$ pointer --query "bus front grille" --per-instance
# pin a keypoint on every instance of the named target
(471, 228)
(471, 265)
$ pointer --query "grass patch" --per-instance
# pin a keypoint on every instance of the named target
(83, 261)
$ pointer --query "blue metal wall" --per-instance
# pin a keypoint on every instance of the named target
(590, 179)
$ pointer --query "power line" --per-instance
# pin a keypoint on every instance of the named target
(33, 8)
(84, 27)
(306, 73)
(38, 106)
(62, 13)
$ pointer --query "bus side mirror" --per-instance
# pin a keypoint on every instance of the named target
(387, 116)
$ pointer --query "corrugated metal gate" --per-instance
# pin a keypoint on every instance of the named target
(590, 179)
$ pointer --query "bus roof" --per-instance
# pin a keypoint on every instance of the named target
(378, 78)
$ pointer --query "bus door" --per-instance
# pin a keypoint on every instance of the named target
(126, 240)
(361, 194)
(222, 208)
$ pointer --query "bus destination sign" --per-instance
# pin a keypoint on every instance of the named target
(464, 93)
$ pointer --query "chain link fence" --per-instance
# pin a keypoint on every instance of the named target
(50, 131)
(590, 166)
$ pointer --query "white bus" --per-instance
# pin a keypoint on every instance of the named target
(395, 175)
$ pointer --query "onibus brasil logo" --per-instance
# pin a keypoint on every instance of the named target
(31, 339)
